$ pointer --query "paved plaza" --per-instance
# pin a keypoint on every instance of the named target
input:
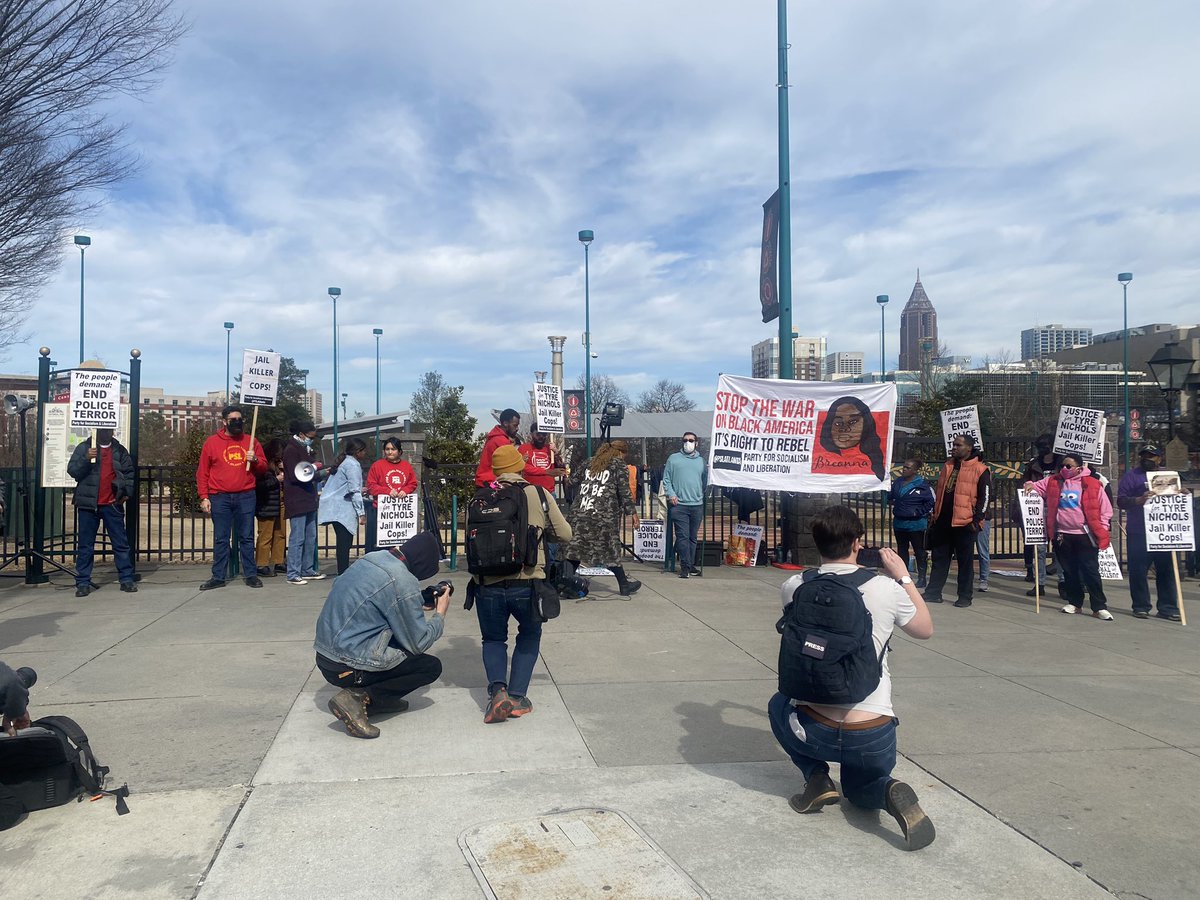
(1057, 755)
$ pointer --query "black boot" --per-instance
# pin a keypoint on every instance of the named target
(628, 586)
(921, 579)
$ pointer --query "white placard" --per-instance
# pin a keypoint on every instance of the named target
(960, 420)
(1081, 431)
(397, 519)
(1169, 524)
(260, 377)
(809, 436)
(743, 545)
(650, 540)
(60, 440)
(95, 397)
(548, 408)
(1109, 569)
(1033, 517)
(593, 571)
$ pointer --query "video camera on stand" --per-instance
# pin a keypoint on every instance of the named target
(613, 414)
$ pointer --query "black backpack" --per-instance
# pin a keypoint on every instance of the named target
(826, 654)
(50, 763)
(500, 540)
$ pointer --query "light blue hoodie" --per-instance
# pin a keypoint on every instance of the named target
(684, 477)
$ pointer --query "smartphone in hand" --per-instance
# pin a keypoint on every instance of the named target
(870, 557)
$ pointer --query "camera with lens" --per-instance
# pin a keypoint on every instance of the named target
(429, 595)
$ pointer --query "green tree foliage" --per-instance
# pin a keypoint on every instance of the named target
(158, 445)
(438, 410)
(184, 497)
(275, 421)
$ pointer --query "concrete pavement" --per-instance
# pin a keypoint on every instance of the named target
(1055, 753)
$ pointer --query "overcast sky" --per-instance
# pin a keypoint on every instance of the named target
(436, 160)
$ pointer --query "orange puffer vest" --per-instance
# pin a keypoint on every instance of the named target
(966, 490)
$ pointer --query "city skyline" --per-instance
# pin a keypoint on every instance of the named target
(443, 191)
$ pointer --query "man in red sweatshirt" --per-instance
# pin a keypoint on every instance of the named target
(226, 489)
(504, 433)
(542, 465)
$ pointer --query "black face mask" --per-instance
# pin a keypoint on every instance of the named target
(235, 427)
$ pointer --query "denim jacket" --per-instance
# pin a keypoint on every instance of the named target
(341, 498)
(372, 619)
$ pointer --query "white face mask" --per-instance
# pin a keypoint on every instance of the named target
(689, 446)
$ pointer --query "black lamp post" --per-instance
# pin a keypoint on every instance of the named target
(1171, 366)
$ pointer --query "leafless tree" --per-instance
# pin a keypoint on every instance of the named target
(59, 61)
(665, 396)
(604, 390)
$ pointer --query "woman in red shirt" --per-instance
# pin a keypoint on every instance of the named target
(390, 476)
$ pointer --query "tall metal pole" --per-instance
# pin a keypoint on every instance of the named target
(377, 332)
(1125, 278)
(334, 293)
(228, 335)
(586, 237)
(882, 300)
(787, 364)
(82, 241)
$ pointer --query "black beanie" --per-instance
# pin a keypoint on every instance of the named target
(422, 554)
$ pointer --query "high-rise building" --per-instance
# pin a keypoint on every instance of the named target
(843, 363)
(313, 404)
(917, 321)
(1046, 340)
(808, 356)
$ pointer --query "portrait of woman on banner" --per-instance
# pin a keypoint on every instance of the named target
(848, 440)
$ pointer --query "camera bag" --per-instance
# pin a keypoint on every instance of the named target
(50, 763)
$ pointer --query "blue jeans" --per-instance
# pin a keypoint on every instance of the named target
(983, 544)
(302, 545)
(493, 605)
(867, 757)
(685, 521)
(226, 510)
(113, 515)
(1140, 562)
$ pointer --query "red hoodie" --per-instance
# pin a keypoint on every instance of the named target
(497, 437)
(222, 468)
(383, 477)
(537, 463)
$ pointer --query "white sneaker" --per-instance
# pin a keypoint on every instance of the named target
(1103, 615)
(1070, 609)
(297, 581)
(316, 576)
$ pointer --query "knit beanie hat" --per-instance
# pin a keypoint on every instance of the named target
(421, 555)
(507, 459)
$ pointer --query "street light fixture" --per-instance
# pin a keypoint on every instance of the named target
(585, 238)
(82, 241)
(882, 300)
(228, 335)
(1171, 366)
(344, 396)
(1125, 278)
(334, 293)
(378, 332)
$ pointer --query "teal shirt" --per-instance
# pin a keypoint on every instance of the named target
(685, 477)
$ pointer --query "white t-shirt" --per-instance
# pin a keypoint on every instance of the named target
(889, 606)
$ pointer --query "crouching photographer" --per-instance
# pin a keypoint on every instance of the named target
(14, 705)
(372, 635)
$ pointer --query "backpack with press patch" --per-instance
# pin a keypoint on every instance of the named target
(826, 652)
(500, 540)
(51, 763)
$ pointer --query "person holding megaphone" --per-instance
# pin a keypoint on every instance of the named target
(300, 499)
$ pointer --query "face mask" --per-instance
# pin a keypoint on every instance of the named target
(539, 442)
(234, 427)
(689, 446)
(306, 441)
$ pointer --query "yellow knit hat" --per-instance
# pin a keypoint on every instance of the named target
(506, 459)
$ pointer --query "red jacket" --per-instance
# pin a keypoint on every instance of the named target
(1090, 503)
(497, 437)
(383, 477)
(222, 468)
(537, 462)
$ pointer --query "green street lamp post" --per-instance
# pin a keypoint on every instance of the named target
(1125, 278)
(585, 238)
(228, 335)
(882, 300)
(1171, 366)
(82, 241)
(334, 293)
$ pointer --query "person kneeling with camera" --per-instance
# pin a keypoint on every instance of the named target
(14, 706)
(372, 635)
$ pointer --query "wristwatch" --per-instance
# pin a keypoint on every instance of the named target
(904, 580)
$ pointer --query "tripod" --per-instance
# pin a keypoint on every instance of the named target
(24, 551)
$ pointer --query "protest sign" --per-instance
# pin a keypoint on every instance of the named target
(961, 420)
(743, 545)
(397, 520)
(548, 408)
(1033, 517)
(1110, 570)
(1169, 524)
(260, 377)
(810, 436)
(1163, 482)
(1080, 431)
(95, 396)
(650, 540)
(59, 441)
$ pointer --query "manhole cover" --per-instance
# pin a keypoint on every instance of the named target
(571, 854)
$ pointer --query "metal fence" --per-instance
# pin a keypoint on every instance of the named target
(166, 533)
